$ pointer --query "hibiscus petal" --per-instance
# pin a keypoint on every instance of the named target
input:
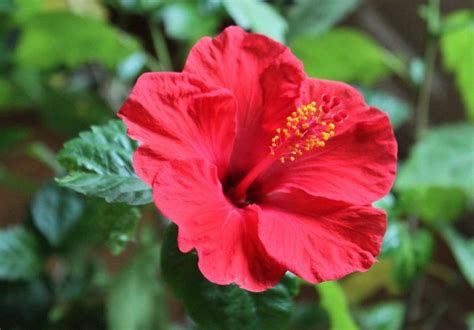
(177, 116)
(319, 239)
(357, 165)
(225, 237)
(263, 75)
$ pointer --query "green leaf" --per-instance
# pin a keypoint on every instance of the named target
(443, 158)
(397, 109)
(411, 251)
(55, 212)
(457, 47)
(257, 16)
(385, 316)
(183, 21)
(222, 307)
(117, 224)
(470, 321)
(433, 205)
(9, 137)
(135, 300)
(317, 16)
(54, 39)
(19, 254)
(331, 56)
(100, 164)
(462, 249)
(333, 299)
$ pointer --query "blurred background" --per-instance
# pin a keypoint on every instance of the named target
(71, 262)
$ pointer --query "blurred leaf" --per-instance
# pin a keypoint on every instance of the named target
(100, 164)
(317, 16)
(24, 305)
(45, 155)
(25, 9)
(411, 251)
(55, 212)
(10, 136)
(19, 254)
(386, 203)
(257, 16)
(14, 182)
(88, 8)
(135, 300)
(462, 249)
(61, 38)
(397, 109)
(457, 46)
(432, 204)
(137, 6)
(384, 316)
(131, 67)
(117, 224)
(333, 299)
(183, 21)
(417, 71)
(470, 321)
(309, 313)
(443, 158)
(221, 306)
(361, 286)
(331, 56)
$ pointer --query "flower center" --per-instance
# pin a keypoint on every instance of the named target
(307, 128)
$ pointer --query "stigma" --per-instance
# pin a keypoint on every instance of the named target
(309, 127)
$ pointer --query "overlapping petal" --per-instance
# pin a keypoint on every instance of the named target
(263, 75)
(357, 166)
(224, 236)
(177, 116)
(319, 239)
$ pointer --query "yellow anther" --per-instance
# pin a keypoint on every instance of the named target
(282, 160)
(332, 126)
(278, 130)
(272, 153)
(294, 114)
(292, 158)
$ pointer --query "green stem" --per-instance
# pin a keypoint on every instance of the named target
(160, 48)
(422, 111)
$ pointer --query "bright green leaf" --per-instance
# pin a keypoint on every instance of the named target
(317, 16)
(434, 205)
(19, 254)
(222, 307)
(457, 45)
(397, 109)
(462, 249)
(443, 158)
(331, 56)
(55, 212)
(135, 300)
(183, 21)
(257, 16)
(385, 316)
(333, 299)
(61, 38)
(100, 164)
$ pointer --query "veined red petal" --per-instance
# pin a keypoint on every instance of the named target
(177, 116)
(319, 239)
(263, 75)
(225, 237)
(357, 165)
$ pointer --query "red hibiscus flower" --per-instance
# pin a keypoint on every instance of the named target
(263, 169)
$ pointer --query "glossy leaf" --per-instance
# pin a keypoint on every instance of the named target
(222, 307)
(443, 158)
(333, 299)
(61, 38)
(458, 53)
(462, 249)
(317, 16)
(19, 254)
(100, 164)
(55, 212)
(385, 316)
(257, 16)
(331, 56)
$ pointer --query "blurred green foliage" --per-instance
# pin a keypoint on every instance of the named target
(71, 64)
